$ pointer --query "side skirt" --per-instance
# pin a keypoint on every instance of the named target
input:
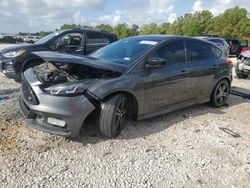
(173, 108)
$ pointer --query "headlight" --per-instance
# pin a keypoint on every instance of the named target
(69, 88)
(14, 53)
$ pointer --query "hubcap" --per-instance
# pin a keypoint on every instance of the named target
(121, 114)
(222, 93)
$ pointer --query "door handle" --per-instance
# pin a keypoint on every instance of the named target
(185, 72)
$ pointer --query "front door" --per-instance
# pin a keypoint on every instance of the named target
(167, 85)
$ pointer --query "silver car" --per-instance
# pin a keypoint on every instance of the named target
(220, 42)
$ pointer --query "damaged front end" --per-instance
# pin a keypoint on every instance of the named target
(243, 65)
(54, 93)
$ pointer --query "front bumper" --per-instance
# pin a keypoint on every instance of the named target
(244, 68)
(72, 110)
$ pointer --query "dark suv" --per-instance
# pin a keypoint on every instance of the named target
(77, 41)
(138, 77)
(235, 46)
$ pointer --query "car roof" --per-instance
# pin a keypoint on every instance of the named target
(208, 37)
(86, 30)
(159, 37)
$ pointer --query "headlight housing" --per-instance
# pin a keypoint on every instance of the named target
(69, 89)
(13, 54)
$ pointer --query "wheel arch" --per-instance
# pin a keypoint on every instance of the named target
(132, 100)
(228, 79)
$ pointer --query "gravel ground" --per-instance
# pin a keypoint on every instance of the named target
(196, 147)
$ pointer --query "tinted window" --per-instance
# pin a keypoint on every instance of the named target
(95, 38)
(216, 52)
(74, 39)
(217, 41)
(172, 52)
(199, 51)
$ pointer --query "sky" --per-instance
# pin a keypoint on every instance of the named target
(48, 15)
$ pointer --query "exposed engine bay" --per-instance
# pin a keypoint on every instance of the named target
(52, 73)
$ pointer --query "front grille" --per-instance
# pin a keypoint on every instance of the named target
(28, 93)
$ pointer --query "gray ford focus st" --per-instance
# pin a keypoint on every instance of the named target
(138, 77)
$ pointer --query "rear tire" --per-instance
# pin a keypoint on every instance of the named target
(113, 115)
(220, 94)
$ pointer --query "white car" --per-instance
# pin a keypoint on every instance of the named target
(31, 39)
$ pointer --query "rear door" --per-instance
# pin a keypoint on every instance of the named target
(95, 41)
(167, 85)
(202, 67)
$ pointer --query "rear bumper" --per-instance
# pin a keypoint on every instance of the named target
(71, 110)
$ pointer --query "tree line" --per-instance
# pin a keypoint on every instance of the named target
(233, 23)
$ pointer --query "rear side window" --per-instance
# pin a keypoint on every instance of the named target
(217, 41)
(216, 52)
(199, 51)
(173, 52)
(97, 38)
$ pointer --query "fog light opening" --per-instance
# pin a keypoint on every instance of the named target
(56, 122)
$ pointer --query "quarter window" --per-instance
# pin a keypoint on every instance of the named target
(173, 52)
(199, 51)
(217, 52)
(97, 38)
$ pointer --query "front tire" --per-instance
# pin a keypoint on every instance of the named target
(220, 94)
(113, 115)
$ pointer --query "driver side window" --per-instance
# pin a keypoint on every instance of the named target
(172, 52)
(70, 42)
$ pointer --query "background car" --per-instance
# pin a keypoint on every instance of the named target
(8, 39)
(245, 46)
(73, 41)
(243, 65)
(138, 78)
(220, 42)
(235, 47)
(31, 39)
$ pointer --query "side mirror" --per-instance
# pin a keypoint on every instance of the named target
(155, 62)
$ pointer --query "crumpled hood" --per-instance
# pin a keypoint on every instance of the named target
(246, 54)
(18, 47)
(81, 60)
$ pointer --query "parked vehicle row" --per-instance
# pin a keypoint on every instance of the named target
(138, 77)
(77, 41)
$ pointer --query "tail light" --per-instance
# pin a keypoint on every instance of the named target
(229, 61)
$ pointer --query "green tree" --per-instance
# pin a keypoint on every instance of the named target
(164, 28)
(104, 27)
(244, 29)
(149, 29)
(44, 33)
(135, 29)
(71, 26)
(122, 31)
(226, 24)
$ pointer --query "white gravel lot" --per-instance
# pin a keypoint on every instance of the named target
(196, 147)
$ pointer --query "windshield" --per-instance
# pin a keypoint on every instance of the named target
(124, 51)
(47, 38)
